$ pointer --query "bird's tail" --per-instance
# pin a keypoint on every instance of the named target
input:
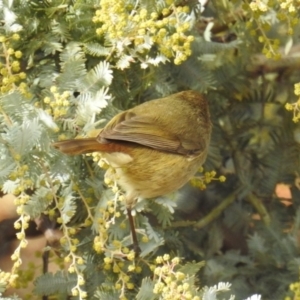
(80, 146)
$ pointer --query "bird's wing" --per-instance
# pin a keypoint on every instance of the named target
(145, 131)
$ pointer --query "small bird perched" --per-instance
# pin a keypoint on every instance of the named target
(154, 147)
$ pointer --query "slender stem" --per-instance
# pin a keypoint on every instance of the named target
(214, 214)
(136, 246)
(45, 258)
(260, 207)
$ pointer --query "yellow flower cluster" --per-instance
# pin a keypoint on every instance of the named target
(21, 177)
(285, 13)
(75, 261)
(289, 5)
(22, 182)
(124, 26)
(295, 107)
(124, 272)
(58, 103)
(11, 77)
(171, 284)
(7, 279)
(22, 223)
(26, 276)
(202, 181)
(111, 211)
(295, 289)
(259, 5)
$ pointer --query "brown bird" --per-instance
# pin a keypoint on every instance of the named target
(155, 147)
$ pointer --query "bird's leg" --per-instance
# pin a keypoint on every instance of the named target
(135, 242)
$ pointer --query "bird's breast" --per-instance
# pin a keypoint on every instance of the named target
(149, 173)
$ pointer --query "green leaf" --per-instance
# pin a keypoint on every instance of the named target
(124, 62)
(191, 268)
(257, 244)
(163, 209)
(39, 201)
(58, 283)
(146, 290)
(98, 50)
(23, 138)
(10, 186)
(99, 76)
(69, 208)
(7, 165)
(91, 104)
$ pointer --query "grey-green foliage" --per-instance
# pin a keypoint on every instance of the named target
(58, 283)
(146, 290)
(7, 165)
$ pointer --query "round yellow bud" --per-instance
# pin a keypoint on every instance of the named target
(118, 286)
(190, 38)
(145, 239)
(53, 89)
(143, 13)
(17, 225)
(15, 36)
(18, 54)
(130, 285)
(222, 178)
(74, 291)
(10, 51)
(108, 260)
(67, 259)
(185, 9)
(166, 257)
(81, 281)
(20, 235)
(159, 260)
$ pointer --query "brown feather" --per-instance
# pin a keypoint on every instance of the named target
(87, 145)
(165, 131)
